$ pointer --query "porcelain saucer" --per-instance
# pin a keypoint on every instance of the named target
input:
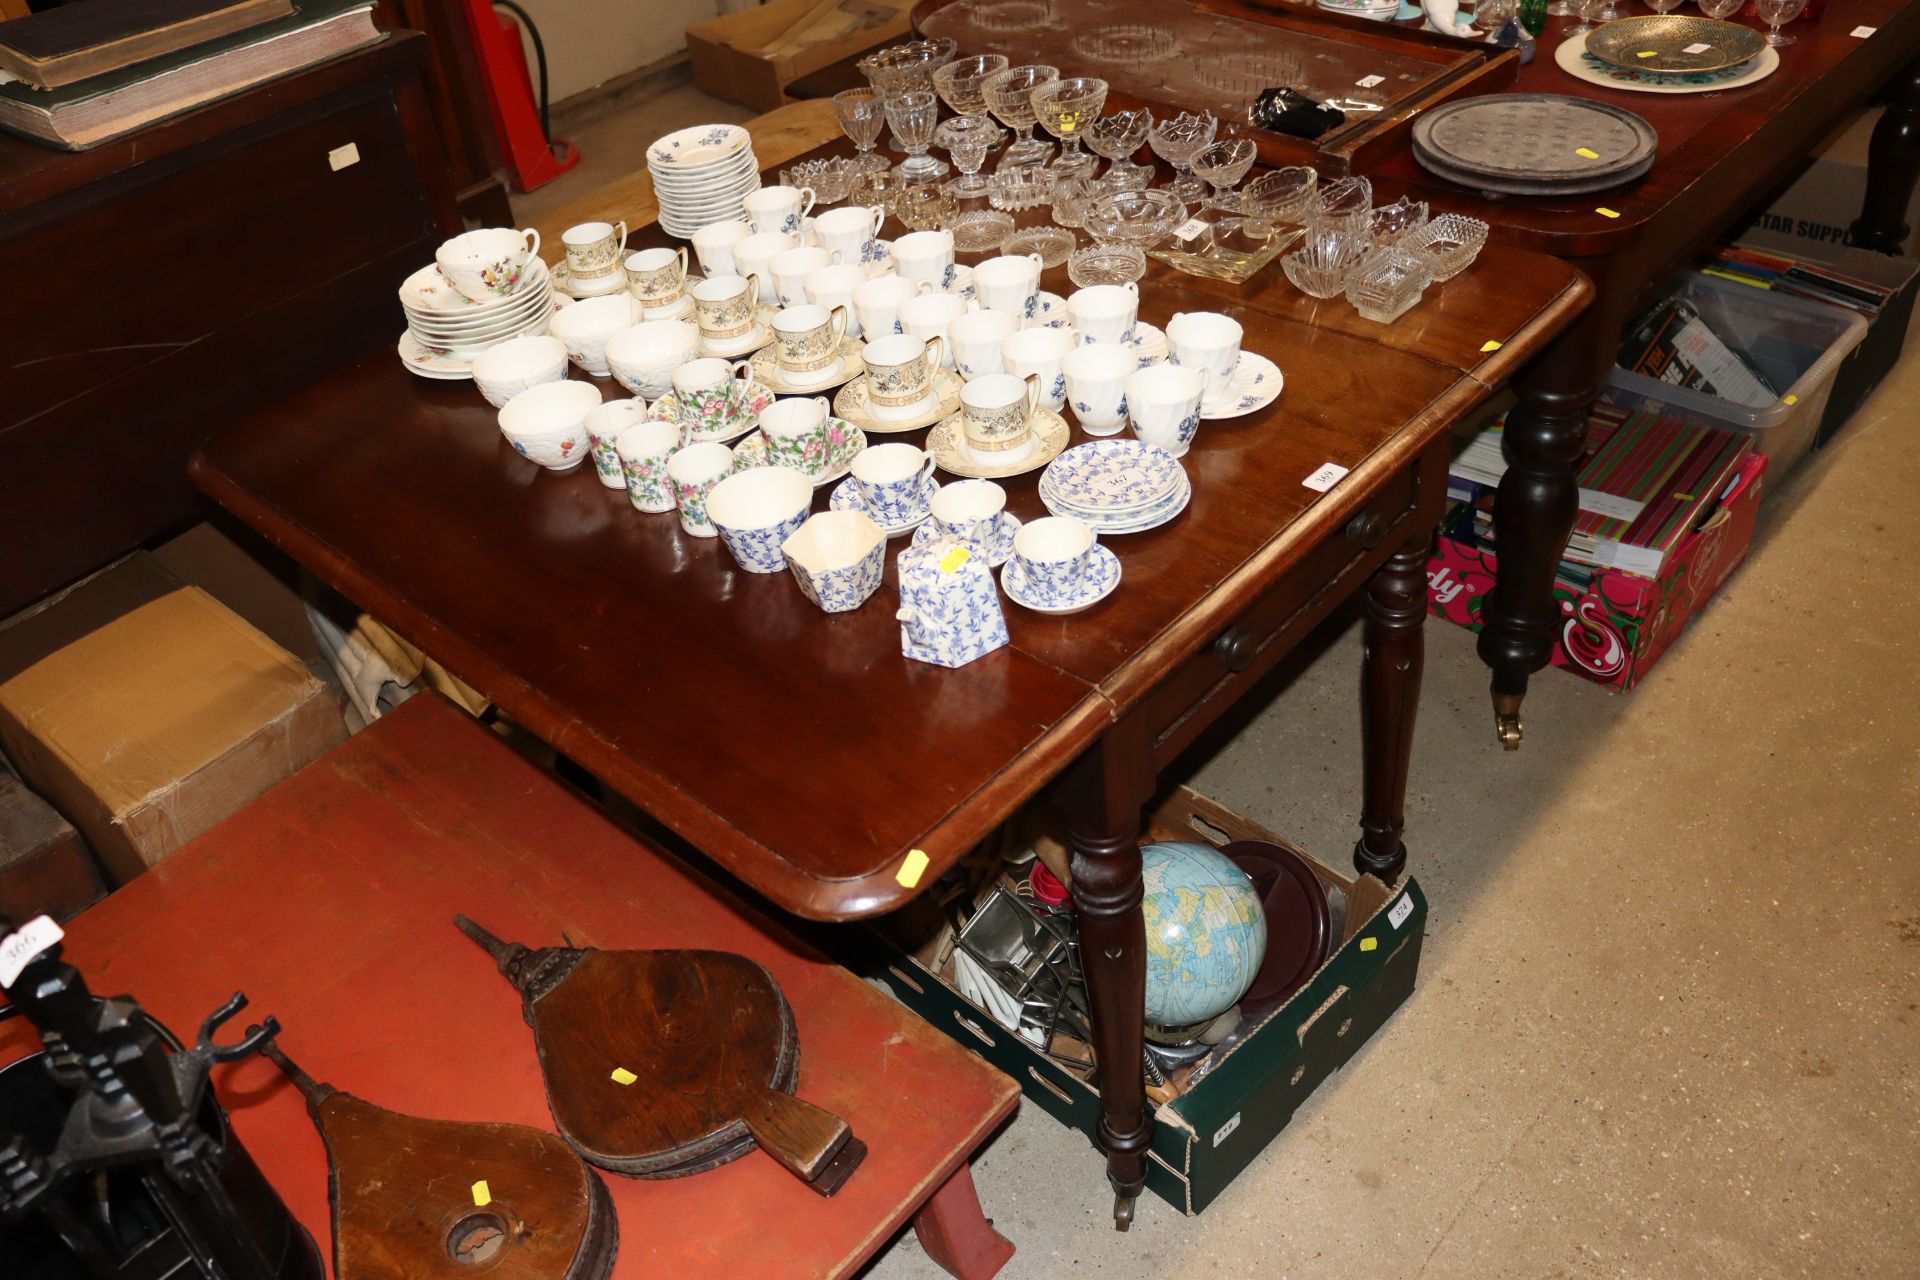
(430, 364)
(681, 310)
(998, 554)
(1102, 577)
(752, 452)
(847, 497)
(767, 371)
(1049, 312)
(1256, 384)
(599, 286)
(667, 409)
(1149, 343)
(948, 444)
(761, 335)
(852, 405)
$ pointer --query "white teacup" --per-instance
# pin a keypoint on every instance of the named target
(996, 415)
(594, 249)
(756, 511)
(691, 474)
(1039, 352)
(485, 265)
(604, 425)
(779, 208)
(657, 276)
(1105, 312)
(713, 244)
(502, 372)
(791, 267)
(1054, 553)
(806, 342)
(644, 451)
(754, 257)
(878, 302)
(852, 231)
(726, 307)
(1163, 403)
(833, 287)
(642, 357)
(927, 256)
(929, 316)
(900, 369)
(1097, 386)
(975, 338)
(1209, 342)
(1010, 283)
(547, 424)
(586, 326)
(892, 482)
(970, 509)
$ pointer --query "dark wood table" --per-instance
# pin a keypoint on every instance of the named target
(801, 751)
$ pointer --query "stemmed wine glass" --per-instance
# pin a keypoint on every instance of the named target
(912, 116)
(1117, 137)
(968, 139)
(1589, 12)
(1066, 108)
(862, 115)
(1178, 141)
(1776, 13)
(1720, 8)
(1009, 96)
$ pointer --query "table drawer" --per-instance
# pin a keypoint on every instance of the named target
(1184, 703)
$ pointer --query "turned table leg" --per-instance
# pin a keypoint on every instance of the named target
(956, 1234)
(1893, 166)
(1394, 650)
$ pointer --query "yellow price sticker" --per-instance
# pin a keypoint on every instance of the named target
(1605, 212)
(623, 1076)
(482, 1194)
(1489, 345)
(913, 867)
(954, 559)
(1368, 944)
(1588, 152)
(1647, 53)
(1789, 399)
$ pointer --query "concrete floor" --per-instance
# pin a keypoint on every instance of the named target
(1666, 1023)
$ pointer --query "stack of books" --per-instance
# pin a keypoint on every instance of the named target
(1782, 274)
(80, 74)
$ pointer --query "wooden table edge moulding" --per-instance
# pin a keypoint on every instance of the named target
(1099, 759)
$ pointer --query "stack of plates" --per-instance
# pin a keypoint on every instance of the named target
(1116, 486)
(701, 175)
(1534, 144)
(446, 324)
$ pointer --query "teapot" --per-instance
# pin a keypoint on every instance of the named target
(949, 605)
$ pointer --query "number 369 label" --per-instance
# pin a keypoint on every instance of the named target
(1326, 477)
(19, 948)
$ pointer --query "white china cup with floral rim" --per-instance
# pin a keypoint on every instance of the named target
(604, 425)
(791, 267)
(487, 264)
(802, 433)
(900, 374)
(1209, 342)
(778, 208)
(892, 482)
(644, 450)
(757, 510)
(1105, 312)
(547, 424)
(1040, 352)
(657, 276)
(1097, 386)
(691, 474)
(594, 249)
(586, 326)
(833, 287)
(879, 300)
(926, 256)
(503, 371)
(754, 257)
(996, 416)
(929, 316)
(854, 231)
(642, 357)
(975, 339)
(970, 509)
(806, 342)
(1010, 283)
(1163, 403)
(713, 244)
(726, 307)
(1053, 554)
(709, 395)
(838, 558)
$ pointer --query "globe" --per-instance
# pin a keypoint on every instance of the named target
(1206, 932)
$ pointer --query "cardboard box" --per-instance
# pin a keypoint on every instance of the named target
(45, 868)
(147, 711)
(751, 57)
(1812, 217)
(1614, 625)
(1203, 1138)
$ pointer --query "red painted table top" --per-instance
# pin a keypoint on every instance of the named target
(330, 902)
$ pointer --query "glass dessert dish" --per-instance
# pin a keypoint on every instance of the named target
(1009, 96)
(1345, 204)
(1178, 141)
(1388, 283)
(1122, 225)
(912, 116)
(1280, 195)
(1065, 108)
(906, 68)
(1070, 199)
(1117, 137)
(968, 139)
(925, 206)
(1019, 189)
(1127, 43)
(979, 230)
(1223, 164)
(1053, 244)
(862, 116)
(1390, 223)
(959, 82)
(1450, 243)
(1318, 268)
(830, 179)
(1013, 15)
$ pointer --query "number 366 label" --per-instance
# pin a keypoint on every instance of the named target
(19, 948)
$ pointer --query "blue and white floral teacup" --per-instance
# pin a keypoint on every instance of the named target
(838, 558)
(892, 481)
(1053, 554)
(779, 208)
(1097, 386)
(1105, 312)
(970, 509)
(1040, 352)
(758, 510)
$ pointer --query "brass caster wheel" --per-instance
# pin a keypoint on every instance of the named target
(1122, 1211)
(1506, 720)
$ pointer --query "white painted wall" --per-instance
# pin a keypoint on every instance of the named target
(591, 41)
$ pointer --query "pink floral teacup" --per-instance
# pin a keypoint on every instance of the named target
(804, 435)
(710, 395)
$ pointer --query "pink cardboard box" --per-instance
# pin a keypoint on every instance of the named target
(1616, 626)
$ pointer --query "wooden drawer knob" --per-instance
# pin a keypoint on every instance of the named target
(1367, 529)
(1236, 648)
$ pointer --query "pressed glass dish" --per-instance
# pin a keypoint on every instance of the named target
(912, 116)
(1390, 223)
(1281, 195)
(1222, 165)
(1127, 43)
(830, 179)
(1106, 264)
(959, 82)
(905, 68)
(1117, 137)
(1129, 221)
(1450, 242)
(1052, 244)
(925, 206)
(1009, 96)
(1178, 141)
(1388, 283)
(979, 230)
(1345, 204)
(1319, 266)
(1015, 190)
(1013, 15)
(1065, 108)
(968, 139)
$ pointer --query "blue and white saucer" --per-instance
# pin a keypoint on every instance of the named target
(998, 554)
(962, 286)
(1111, 476)
(1049, 312)
(847, 497)
(1102, 576)
(1256, 384)
(1149, 343)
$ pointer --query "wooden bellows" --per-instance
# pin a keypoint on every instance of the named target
(662, 1064)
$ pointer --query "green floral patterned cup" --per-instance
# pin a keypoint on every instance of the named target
(643, 452)
(691, 474)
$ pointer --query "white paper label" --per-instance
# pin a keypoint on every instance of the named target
(18, 948)
(1225, 1131)
(1861, 33)
(1189, 229)
(1610, 505)
(1397, 913)
(1329, 474)
(340, 157)
(1367, 82)
(1698, 46)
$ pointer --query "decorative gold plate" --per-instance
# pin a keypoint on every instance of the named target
(1661, 42)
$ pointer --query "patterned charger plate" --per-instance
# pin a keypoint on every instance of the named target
(1539, 139)
(948, 445)
(852, 404)
(1671, 43)
(1571, 56)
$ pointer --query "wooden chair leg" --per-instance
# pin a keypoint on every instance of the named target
(956, 1234)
